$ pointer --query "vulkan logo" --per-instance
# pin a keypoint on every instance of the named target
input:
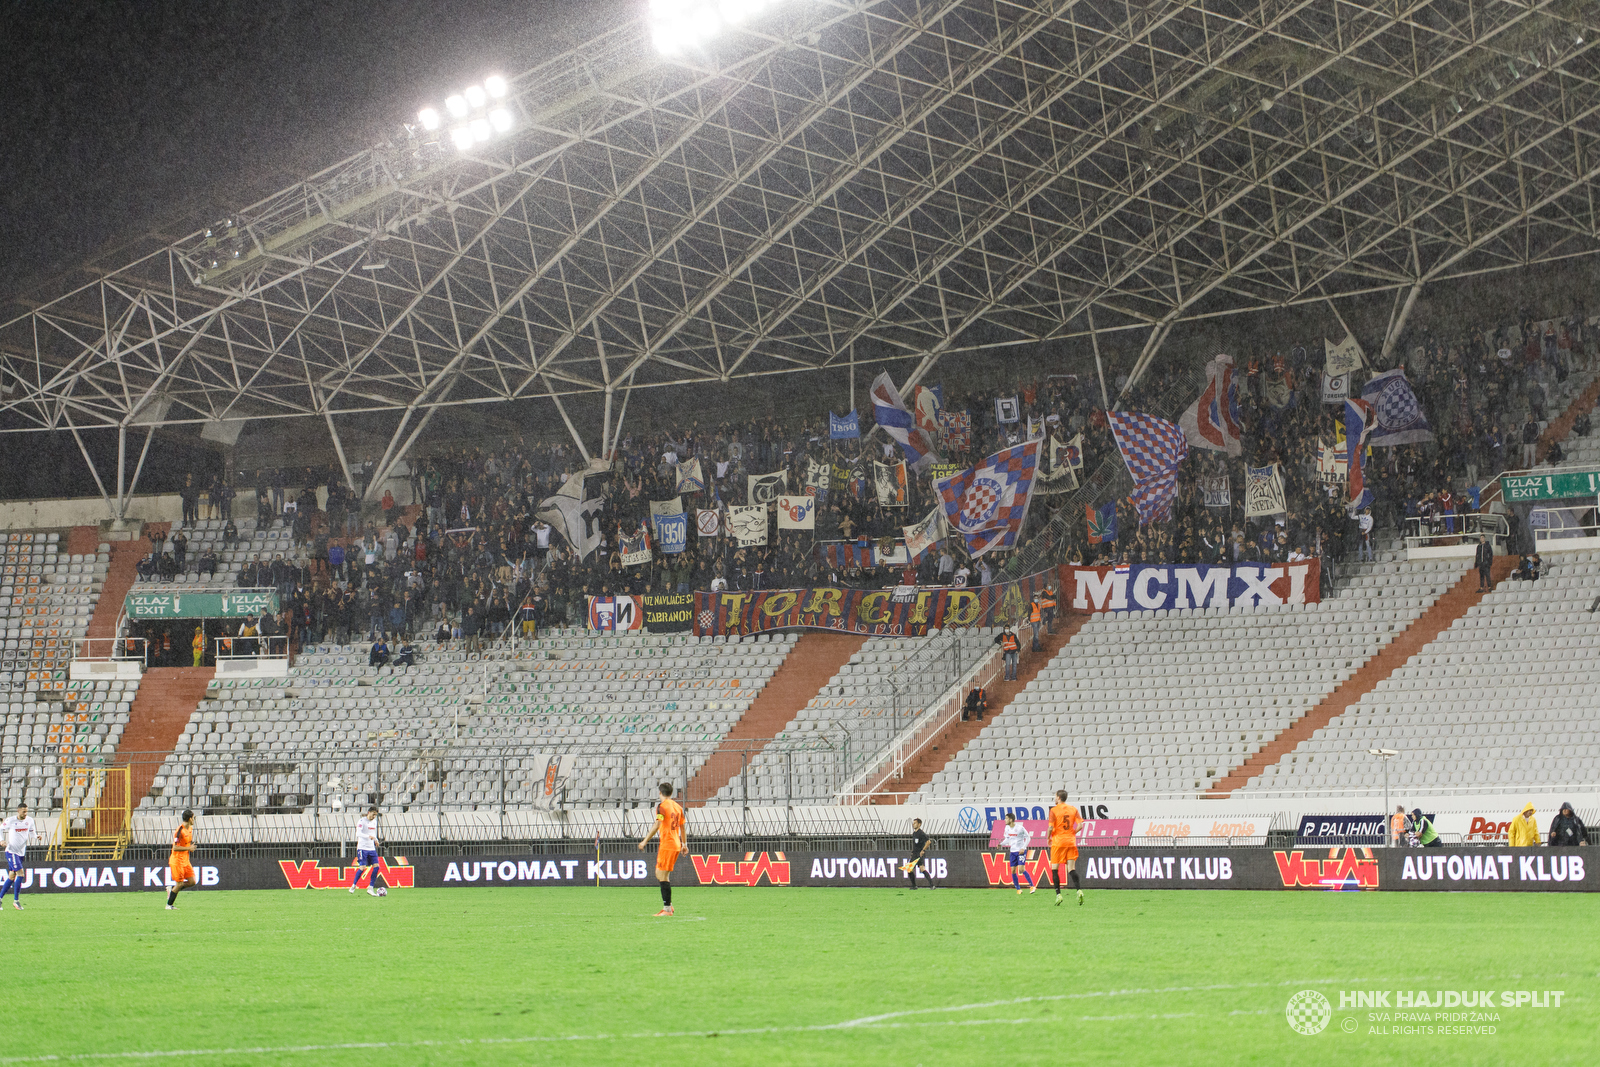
(997, 867)
(1345, 868)
(712, 871)
(312, 875)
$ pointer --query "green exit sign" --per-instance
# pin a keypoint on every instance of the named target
(1557, 485)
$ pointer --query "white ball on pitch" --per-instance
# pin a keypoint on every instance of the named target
(383, 890)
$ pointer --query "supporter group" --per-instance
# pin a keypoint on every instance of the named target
(480, 548)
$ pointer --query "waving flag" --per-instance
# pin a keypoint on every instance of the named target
(1358, 421)
(989, 502)
(922, 536)
(1212, 421)
(1102, 523)
(1399, 418)
(1152, 448)
(955, 429)
(925, 404)
(898, 422)
(690, 479)
(843, 427)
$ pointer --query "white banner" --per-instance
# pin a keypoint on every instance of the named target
(765, 488)
(1341, 358)
(797, 513)
(748, 525)
(1263, 491)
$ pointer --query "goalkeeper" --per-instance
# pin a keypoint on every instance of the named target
(920, 844)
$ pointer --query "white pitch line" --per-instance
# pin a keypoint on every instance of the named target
(883, 1021)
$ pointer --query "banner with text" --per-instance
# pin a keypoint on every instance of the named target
(1148, 587)
(900, 611)
(201, 605)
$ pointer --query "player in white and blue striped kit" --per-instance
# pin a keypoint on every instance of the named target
(19, 831)
(367, 852)
(1017, 838)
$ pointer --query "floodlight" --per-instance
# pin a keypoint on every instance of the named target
(1455, 105)
(475, 95)
(457, 106)
(500, 119)
(480, 129)
(429, 118)
(462, 137)
(495, 86)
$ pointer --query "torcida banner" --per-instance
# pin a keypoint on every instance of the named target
(899, 611)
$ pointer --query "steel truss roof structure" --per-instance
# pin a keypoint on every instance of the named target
(914, 177)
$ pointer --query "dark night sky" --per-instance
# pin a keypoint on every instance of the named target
(118, 117)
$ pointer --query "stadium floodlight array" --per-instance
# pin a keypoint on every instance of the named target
(473, 116)
(679, 25)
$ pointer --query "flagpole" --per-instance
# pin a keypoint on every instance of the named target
(852, 377)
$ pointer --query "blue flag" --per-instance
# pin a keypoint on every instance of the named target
(1398, 417)
(842, 427)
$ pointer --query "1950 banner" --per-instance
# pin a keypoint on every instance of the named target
(1146, 587)
(901, 610)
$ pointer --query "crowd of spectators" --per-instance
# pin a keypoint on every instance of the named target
(474, 554)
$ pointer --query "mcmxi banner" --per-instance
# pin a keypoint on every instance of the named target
(1149, 586)
(898, 611)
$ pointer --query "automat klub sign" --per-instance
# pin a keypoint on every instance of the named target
(900, 611)
(1454, 869)
(1148, 587)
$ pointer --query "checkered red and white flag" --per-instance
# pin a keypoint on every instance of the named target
(1152, 448)
(989, 502)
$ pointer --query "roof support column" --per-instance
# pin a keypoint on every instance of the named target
(111, 512)
(573, 430)
(1094, 339)
(124, 499)
(1158, 337)
(338, 448)
(1397, 324)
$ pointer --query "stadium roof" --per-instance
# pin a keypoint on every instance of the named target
(908, 178)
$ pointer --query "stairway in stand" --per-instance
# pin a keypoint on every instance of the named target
(920, 771)
(165, 702)
(815, 658)
(1429, 625)
(120, 576)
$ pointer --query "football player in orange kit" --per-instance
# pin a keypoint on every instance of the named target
(182, 870)
(669, 824)
(1064, 822)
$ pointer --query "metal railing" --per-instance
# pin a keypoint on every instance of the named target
(109, 649)
(234, 649)
(1561, 524)
(891, 762)
(1441, 531)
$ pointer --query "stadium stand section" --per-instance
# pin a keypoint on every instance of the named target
(46, 601)
(850, 720)
(1503, 699)
(1166, 702)
(661, 701)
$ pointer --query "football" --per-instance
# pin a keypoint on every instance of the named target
(383, 890)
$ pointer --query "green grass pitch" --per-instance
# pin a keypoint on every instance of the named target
(764, 976)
